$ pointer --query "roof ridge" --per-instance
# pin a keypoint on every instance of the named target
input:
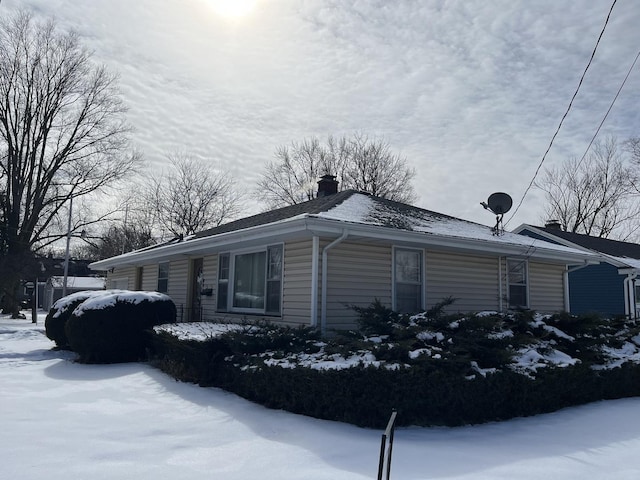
(313, 206)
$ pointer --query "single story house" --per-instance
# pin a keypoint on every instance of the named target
(306, 264)
(608, 288)
(54, 286)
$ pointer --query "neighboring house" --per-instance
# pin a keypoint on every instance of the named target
(306, 264)
(608, 288)
(54, 286)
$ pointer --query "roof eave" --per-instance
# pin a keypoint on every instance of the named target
(533, 249)
(201, 245)
(326, 226)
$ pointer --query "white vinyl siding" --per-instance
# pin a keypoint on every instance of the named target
(357, 275)
(210, 273)
(546, 287)
(471, 280)
(296, 289)
(122, 278)
(149, 277)
(178, 281)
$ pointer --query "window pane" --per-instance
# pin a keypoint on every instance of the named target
(408, 298)
(163, 277)
(223, 266)
(223, 294)
(517, 295)
(274, 279)
(163, 285)
(274, 271)
(249, 280)
(517, 272)
(408, 266)
(223, 282)
(408, 280)
(273, 297)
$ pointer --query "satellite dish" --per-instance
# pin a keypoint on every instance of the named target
(499, 203)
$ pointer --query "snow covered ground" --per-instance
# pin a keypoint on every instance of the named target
(62, 420)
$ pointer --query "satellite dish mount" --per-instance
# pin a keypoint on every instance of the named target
(499, 203)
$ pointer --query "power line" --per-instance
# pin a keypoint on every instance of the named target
(595, 48)
(609, 109)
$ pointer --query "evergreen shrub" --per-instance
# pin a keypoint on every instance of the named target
(464, 375)
(61, 311)
(116, 327)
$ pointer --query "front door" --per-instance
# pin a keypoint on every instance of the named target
(197, 283)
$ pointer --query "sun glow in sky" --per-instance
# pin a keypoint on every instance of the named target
(232, 8)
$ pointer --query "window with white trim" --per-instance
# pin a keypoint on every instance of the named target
(163, 277)
(251, 281)
(408, 280)
(517, 280)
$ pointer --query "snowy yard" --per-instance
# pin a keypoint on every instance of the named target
(64, 420)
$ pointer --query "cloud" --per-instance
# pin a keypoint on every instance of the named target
(469, 92)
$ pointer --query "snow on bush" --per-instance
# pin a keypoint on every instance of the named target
(61, 311)
(115, 327)
(110, 298)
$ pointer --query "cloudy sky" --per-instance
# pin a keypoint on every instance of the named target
(470, 92)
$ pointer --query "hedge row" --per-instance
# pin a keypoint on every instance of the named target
(365, 396)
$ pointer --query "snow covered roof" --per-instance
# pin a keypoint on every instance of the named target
(362, 216)
(84, 283)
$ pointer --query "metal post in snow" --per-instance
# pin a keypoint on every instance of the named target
(34, 306)
(385, 456)
(66, 255)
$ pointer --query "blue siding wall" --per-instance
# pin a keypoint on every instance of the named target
(597, 288)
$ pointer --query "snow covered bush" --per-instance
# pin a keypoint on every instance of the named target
(61, 311)
(433, 368)
(115, 327)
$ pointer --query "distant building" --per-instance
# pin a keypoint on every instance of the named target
(609, 288)
(54, 285)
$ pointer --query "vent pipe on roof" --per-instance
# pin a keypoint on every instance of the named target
(553, 225)
(328, 185)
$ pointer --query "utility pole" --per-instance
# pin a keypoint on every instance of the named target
(66, 255)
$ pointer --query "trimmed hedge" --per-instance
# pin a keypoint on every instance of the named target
(440, 387)
(61, 311)
(115, 328)
(364, 396)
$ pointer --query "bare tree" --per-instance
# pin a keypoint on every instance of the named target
(595, 196)
(117, 239)
(192, 195)
(62, 136)
(358, 162)
(372, 167)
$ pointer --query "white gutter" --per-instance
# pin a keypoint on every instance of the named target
(629, 297)
(500, 284)
(315, 250)
(565, 281)
(325, 250)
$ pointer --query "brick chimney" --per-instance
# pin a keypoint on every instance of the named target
(328, 185)
(553, 225)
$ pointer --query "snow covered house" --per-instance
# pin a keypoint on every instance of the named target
(53, 287)
(608, 288)
(306, 264)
